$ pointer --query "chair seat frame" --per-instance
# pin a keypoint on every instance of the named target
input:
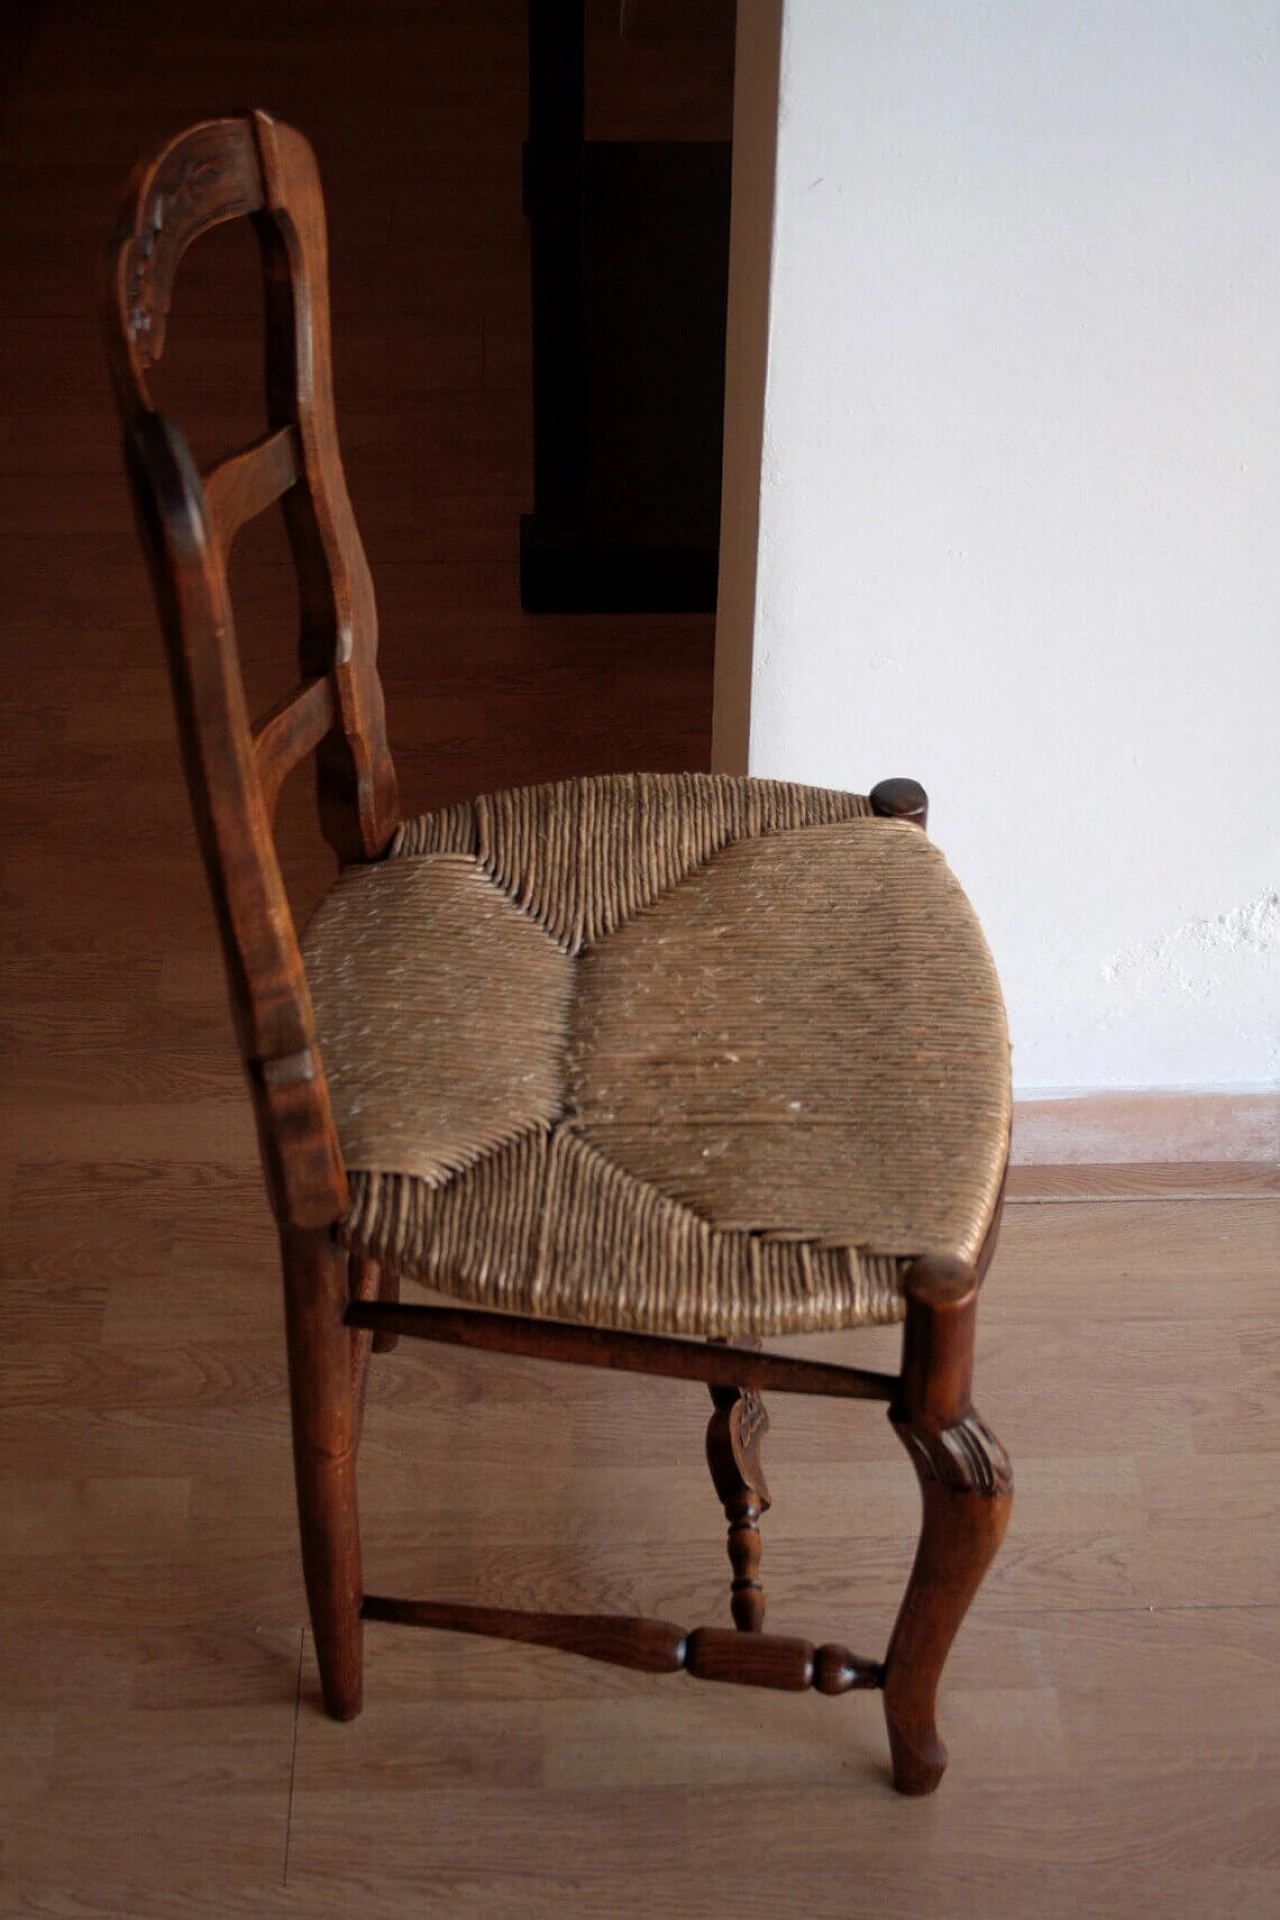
(341, 1308)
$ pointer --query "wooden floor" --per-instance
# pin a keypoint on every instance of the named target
(1113, 1705)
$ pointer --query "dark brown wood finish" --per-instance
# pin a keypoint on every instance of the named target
(324, 1403)
(289, 732)
(207, 175)
(654, 1353)
(218, 171)
(269, 996)
(363, 1280)
(735, 1437)
(900, 800)
(245, 484)
(359, 807)
(389, 1295)
(215, 172)
(967, 1488)
(339, 1309)
(650, 1646)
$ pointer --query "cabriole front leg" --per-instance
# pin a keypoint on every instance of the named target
(967, 1488)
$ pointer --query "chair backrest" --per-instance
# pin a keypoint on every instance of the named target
(251, 166)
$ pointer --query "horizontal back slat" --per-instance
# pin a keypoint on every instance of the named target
(291, 730)
(246, 483)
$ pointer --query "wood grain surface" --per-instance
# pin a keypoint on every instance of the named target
(1115, 1691)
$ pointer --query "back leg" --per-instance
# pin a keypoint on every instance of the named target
(735, 1435)
(389, 1295)
(325, 1432)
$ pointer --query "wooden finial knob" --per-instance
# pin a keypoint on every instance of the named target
(900, 800)
(937, 1280)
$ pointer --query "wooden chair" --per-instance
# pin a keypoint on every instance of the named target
(639, 1069)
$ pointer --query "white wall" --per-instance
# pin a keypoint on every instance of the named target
(1017, 505)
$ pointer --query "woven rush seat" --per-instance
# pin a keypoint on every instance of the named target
(663, 1053)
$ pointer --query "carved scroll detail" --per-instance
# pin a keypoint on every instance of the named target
(967, 1458)
(166, 222)
(211, 176)
(735, 1435)
(747, 1427)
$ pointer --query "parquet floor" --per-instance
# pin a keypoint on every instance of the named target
(1113, 1702)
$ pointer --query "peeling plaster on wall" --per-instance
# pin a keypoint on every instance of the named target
(1231, 958)
(1171, 960)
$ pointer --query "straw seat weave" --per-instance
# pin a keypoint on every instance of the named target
(669, 1053)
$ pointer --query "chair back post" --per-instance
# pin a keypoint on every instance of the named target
(359, 807)
(250, 166)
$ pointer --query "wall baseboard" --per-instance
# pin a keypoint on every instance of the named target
(1112, 1129)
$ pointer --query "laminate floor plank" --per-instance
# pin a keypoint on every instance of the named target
(1145, 1180)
